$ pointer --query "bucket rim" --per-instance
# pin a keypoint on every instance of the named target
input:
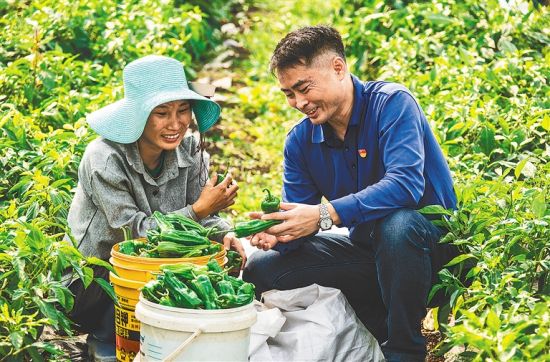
(194, 311)
(115, 254)
(128, 283)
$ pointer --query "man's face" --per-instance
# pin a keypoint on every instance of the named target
(315, 90)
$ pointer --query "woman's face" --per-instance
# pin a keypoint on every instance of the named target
(166, 126)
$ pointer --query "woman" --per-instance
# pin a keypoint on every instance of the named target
(143, 163)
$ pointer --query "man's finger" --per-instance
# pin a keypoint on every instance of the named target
(255, 215)
(275, 216)
(287, 206)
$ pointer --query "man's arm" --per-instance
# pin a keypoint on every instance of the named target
(401, 143)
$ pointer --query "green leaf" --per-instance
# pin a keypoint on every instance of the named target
(493, 322)
(459, 259)
(487, 140)
(520, 166)
(96, 261)
(16, 339)
(539, 205)
(108, 288)
(86, 274)
(48, 310)
(506, 46)
(434, 210)
(546, 122)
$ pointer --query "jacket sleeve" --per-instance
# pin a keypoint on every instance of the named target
(401, 146)
(110, 192)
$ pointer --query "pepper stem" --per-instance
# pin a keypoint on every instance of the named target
(269, 197)
(127, 232)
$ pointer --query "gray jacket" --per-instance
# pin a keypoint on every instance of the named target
(114, 190)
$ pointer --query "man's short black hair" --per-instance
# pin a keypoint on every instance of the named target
(303, 45)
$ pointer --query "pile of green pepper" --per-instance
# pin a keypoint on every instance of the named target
(191, 286)
(176, 236)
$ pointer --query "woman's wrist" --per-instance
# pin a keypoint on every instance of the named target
(199, 210)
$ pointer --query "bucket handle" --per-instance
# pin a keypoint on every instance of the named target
(171, 357)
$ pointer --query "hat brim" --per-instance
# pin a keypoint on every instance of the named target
(124, 120)
(121, 121)
(206, 111)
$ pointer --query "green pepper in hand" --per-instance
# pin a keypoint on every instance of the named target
(270, 203)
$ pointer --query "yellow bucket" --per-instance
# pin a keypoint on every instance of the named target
(133, 272)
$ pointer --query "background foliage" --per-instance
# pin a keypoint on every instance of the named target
(478, 68)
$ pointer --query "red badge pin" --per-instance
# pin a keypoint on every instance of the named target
(362, 152)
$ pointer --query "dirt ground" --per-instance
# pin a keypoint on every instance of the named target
(76, 349)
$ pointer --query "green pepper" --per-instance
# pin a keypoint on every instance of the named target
(168, 301)
(225, 301)
(225, 287)
(183, 237)
(221, 177)
(214, 248)
(162, 223)
(131, 247)
(184, 271)
(205, 290)
(247, 228)
(234, 260)
(180, 222)
(151, 291)
(213, 265)
(182, 295)
(235, 282)
(246, 289)
(169, 249)
(270, 203)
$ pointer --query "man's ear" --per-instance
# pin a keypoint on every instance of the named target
(339, 66)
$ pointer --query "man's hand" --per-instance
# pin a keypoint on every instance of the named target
(263, 240)
(299, 220)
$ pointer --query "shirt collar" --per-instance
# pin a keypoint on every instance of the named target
(180, 157)
(319, 131)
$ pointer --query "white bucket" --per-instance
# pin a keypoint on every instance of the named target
(177, 334)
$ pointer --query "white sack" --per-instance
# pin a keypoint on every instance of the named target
(314, 323)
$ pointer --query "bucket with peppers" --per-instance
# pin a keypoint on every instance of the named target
(176, 239)
(193, 312)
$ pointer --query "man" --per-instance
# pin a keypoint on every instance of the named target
(367, 149)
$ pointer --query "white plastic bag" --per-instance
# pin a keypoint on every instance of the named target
(314, 323)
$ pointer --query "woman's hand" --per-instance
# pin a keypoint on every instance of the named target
(230, 241)
(214, 197)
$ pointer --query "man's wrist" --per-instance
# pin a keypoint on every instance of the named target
(333, 214)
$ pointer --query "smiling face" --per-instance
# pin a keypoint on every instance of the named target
(165, 128)
(318, 90)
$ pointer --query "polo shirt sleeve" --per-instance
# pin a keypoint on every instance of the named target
(401, 146)
(298, 186)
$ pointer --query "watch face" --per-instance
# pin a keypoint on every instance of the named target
(325, 224)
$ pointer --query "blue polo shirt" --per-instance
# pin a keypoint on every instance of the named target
(389, 159)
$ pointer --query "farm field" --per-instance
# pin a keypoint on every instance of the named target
(479, 69)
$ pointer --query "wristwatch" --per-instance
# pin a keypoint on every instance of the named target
(325, 221)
